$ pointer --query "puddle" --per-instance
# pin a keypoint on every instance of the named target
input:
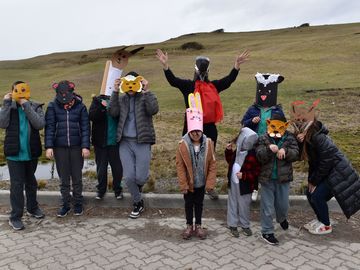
(46, 170)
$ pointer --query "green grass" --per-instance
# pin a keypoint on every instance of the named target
(321, 61)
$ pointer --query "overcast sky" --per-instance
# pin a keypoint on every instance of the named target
(35, 27)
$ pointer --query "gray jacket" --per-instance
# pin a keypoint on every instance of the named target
(146, 105)
(33, 111)
(267, 158)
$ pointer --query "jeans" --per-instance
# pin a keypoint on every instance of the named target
(318, 201)
(274, 201)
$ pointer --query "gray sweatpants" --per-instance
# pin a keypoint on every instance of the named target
(274, 201)
(238, 207)
(135, 158)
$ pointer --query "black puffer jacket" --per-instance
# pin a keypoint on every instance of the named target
(67, 128)
(98, 117)
(327, 163)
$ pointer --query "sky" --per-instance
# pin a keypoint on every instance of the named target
(29, 28)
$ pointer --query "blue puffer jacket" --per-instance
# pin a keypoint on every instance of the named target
(67, 128)
(254, 111)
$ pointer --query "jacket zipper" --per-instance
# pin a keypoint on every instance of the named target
(68, 128)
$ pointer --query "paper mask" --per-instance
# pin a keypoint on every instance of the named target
(276, 128)
(21, 91)
(266, 88)
(194, 114)
(131, 83)
(301, 116)
(64, 91)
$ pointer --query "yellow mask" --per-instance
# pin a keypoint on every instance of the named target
(276, 128)
(21, 91)
(131, 83)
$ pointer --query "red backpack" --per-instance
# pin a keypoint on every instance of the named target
(210, 100)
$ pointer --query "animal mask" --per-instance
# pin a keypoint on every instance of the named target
(120, 58)
(21, 91)
(131, 83)
(276, 128)
(302, 117)
(266, 88)
(194, 114)
(64, 91)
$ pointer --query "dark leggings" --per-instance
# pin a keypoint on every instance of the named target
(194, 202)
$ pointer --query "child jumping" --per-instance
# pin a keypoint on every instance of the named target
(242, 175)
(276, 150)
(196, 168)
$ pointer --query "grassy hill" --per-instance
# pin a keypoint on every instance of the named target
(321, 61)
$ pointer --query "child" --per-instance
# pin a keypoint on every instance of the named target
(135, 132)
(103, 137)
(265, 105)
(209, 92)
(196, 168)
(242, 174)
(67, 139)
(276, 150)
(22, 120)
(330, 172)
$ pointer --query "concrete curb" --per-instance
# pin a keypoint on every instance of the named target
(152, 200)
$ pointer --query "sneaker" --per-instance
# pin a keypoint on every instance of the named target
(78, 210)
(99, 196)
(16, 224)
(200, 232)
(254, 195)
(212, 194)
(284, 225)
(270, 239)
(63, 211)
(188, 232)
(320, 228)
(311, 224)
(234, 232)
(119, 195)
(247, 231)
(37, 213)
(138, 209)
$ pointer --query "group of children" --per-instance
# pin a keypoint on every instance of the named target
(122, 134)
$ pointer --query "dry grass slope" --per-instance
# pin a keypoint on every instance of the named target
(317, 62)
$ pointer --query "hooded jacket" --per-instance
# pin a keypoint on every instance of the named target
(267, 158)
(146, 105)
(327, 163)
(184, 166)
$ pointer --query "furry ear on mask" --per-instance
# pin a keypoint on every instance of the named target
(54, 86)
(280, 79)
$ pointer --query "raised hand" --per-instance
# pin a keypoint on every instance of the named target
(163, 58)
(241, 58)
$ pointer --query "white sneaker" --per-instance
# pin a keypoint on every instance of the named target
(311, 224)
(254, 195)
(320, 229)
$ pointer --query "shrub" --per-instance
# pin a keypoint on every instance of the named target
(192, 46)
